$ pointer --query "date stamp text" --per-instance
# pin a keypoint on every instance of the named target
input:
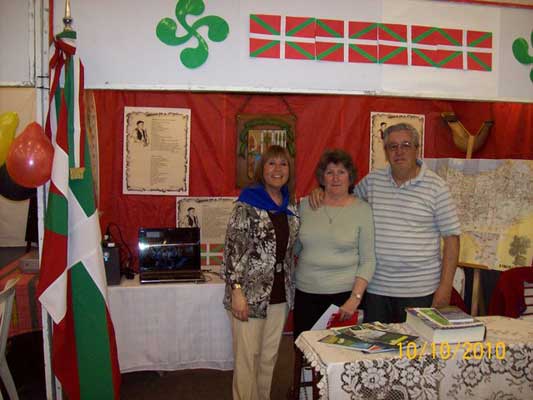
(453, 351)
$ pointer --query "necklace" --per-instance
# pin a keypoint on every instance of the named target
(332, 217)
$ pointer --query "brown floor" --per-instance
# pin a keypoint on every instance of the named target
(203, 384)
(25, 360)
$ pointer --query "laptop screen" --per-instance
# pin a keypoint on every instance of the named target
(169, 249)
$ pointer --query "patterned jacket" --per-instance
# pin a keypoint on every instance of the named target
(250, 257)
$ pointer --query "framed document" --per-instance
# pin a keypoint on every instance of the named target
(381, 121)
(156, 151)
(256, 133)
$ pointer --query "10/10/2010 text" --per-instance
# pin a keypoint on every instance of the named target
(447, 351)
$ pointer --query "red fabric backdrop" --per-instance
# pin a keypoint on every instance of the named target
(323, 121)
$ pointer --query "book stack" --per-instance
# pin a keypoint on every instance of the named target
(445, 325)
(368, 338)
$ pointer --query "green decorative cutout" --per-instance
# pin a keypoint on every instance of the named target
(167, 32)
(521, 52)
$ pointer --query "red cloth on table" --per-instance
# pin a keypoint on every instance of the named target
(508, 296)
(457, 300)
(26, 316)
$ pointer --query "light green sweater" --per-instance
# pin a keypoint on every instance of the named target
(333, 255)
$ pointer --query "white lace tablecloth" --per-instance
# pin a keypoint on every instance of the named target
(171, 326)
(350, 374)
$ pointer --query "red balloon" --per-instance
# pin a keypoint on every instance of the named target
(29, 161)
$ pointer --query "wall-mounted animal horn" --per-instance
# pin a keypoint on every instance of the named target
(462, 138)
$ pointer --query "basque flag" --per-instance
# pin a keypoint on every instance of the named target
(72, 285)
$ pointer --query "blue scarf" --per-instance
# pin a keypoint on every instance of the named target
(257, 196)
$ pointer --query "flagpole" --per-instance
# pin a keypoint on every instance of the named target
(67, 19)
(44, 11)
(53, 386)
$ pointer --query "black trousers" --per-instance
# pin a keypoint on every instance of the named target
(388, 309)
(308, 308)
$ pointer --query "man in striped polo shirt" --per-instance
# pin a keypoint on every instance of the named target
(412, 210)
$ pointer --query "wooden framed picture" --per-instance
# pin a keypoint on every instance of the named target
(256, 133)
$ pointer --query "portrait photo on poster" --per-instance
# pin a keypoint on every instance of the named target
(379, 121)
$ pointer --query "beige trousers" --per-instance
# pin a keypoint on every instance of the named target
(255, 350)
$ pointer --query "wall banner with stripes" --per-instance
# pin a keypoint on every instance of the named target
(399, 47)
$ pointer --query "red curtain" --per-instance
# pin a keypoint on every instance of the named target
(323, 121)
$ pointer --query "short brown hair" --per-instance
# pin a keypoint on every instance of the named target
(274, 151)
(336, 156)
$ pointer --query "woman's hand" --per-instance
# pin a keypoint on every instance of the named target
(316, 197)
(239, 305)
(347, 310)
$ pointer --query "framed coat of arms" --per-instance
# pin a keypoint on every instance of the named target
(256, 133)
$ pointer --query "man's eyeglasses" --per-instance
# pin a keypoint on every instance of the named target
(403, 146)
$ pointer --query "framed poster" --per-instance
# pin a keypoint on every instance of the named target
(256, 133)
(381, 121)
(156, 151)
(211, 215)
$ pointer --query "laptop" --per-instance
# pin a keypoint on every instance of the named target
(169, 255)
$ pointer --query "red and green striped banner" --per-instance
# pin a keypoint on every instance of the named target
(438, 50)
(363, 30)
(212, 254)
(300, 28)
(390, 53)
(363, 45)
(427, 37)
(449, 57)
(332, 50)
(308, 38)
(435, 36)
(72, 285)
(264, 48)
(392, 32)
(265, 25)
(478, 60)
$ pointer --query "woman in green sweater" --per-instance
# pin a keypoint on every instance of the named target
(337, 258)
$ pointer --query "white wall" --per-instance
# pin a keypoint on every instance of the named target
(120, 49)
(16, 43)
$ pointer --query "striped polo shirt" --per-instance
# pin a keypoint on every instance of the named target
(409, 222)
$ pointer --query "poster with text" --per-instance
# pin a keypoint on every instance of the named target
(156, 150)
(211, 215)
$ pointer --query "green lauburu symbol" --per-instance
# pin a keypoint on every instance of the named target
(521, 52)
(217, 31)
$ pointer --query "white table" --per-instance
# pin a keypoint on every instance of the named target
(171, 326)
(350, 374)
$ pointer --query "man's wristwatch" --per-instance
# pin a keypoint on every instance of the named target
(236, 286)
